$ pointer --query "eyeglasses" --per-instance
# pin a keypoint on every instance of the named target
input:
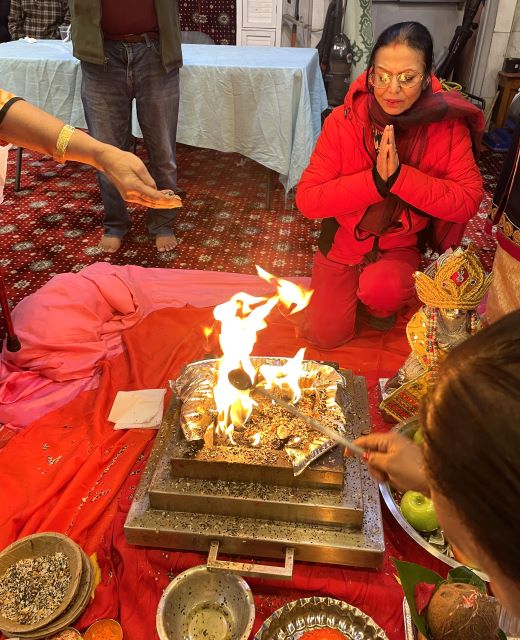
(406, 80)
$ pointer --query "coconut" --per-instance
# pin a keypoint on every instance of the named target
(462, 612)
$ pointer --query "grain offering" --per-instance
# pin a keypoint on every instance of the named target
(32, 588)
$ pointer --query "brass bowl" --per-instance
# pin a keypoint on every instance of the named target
(199, 604)
(101, 627)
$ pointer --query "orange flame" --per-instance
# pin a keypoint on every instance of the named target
(285, 377)
(241, 318)
(290, 294)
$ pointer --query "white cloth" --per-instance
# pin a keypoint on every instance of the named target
(141, 409)
(262, 102)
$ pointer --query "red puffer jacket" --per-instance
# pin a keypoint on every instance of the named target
(338, 182)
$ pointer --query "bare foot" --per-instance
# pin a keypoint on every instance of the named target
(109, 244)
(165, 243)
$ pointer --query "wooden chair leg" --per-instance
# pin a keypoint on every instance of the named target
(19, 155)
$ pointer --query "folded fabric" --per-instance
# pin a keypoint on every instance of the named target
(138, 409)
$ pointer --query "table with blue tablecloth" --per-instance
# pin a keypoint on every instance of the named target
(262, 102)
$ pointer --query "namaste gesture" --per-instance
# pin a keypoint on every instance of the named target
(387, 158)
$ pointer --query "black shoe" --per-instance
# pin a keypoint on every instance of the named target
(180, 192)
(381, 324)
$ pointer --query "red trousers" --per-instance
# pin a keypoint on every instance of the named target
(384, 287)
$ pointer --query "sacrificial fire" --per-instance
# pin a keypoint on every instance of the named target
(240, 319)
(241, 422)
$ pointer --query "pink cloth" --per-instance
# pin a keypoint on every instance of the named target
(75, 322)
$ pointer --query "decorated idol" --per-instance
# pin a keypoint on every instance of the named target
(451, 289)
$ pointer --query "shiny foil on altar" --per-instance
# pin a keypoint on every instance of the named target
(194, 387)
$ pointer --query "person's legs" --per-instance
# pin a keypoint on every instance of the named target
(330, 318)
(107, 102)
(157, 98)
(387, 285)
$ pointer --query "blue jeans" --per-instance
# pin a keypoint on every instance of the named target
(134, 71)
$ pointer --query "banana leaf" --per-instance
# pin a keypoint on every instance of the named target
(411, 575)
(467, 576)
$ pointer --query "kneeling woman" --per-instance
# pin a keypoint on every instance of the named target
(394, 164)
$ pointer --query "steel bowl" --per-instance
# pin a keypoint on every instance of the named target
(408, 429)
(203, 605)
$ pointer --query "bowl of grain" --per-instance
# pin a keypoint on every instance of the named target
(203, 605)
(39, 578)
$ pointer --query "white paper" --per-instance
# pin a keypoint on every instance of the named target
(141, 409)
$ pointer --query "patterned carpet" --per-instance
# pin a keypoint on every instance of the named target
(53, 225)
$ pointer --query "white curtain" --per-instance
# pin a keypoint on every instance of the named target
(357, 26)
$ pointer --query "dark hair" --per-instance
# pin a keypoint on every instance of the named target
(471, 425)
(412, 34)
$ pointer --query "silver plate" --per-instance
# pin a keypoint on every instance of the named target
(408, 428)
(294, 619)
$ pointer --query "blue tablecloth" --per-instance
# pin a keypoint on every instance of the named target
(264, 103)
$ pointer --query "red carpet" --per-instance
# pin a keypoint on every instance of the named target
(53, 225)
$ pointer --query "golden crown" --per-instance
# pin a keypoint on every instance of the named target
(456, 281)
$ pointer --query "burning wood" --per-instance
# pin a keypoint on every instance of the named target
(244, 418)
(277, 429)
(240, 320)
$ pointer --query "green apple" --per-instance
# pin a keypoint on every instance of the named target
(419, 511)
(418, 437)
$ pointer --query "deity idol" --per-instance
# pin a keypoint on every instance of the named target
(451, 289)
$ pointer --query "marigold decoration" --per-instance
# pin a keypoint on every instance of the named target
(450, 289)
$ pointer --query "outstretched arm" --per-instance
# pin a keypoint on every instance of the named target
(27, 126)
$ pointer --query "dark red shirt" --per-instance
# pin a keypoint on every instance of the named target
(123, 17)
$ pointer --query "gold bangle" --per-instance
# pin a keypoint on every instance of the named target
(63, 142)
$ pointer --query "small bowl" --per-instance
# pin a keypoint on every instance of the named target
(104, 628)
(203, 605)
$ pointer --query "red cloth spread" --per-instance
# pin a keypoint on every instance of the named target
(124, 17)
(71, 472)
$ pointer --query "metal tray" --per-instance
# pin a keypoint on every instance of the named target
(254, 537)
(295, 618)
(408, 428)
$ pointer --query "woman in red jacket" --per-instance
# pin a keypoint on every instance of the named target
(396, 161)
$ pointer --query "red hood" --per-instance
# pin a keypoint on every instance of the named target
(356, 95)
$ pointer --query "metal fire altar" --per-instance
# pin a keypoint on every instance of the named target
(235, 505)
